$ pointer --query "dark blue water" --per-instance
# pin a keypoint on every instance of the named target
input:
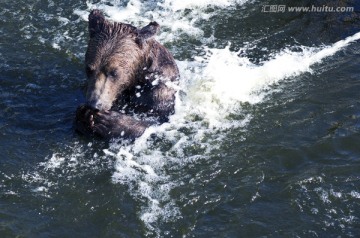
(264, 142)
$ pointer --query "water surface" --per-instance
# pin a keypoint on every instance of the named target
(264, 141)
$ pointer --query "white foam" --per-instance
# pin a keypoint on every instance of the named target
(118, 13)
(214, 85)
(54, 162)
(355, 194)
(231, 78)
(176, 5)
(168, 13)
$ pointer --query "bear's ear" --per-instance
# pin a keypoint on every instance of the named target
(96, 22)
(147, 32)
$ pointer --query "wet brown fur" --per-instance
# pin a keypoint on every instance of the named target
(123, 62)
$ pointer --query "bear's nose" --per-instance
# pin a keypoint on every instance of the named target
(94, 105)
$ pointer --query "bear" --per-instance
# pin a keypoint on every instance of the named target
(131, 80)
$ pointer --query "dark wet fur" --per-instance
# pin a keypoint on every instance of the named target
(126, 61)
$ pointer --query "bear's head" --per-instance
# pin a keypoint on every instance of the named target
(116, 53)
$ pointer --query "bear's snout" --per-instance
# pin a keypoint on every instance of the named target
(94, 106)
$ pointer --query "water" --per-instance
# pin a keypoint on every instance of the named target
(264, 141)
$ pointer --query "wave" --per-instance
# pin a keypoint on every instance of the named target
(213, 86)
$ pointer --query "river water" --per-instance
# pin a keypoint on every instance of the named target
(264, 142)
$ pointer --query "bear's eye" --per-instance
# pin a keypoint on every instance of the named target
(113, 73)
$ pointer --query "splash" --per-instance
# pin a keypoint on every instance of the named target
(221, 80)
(212, 88)
(170, 14)
(176, 5)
